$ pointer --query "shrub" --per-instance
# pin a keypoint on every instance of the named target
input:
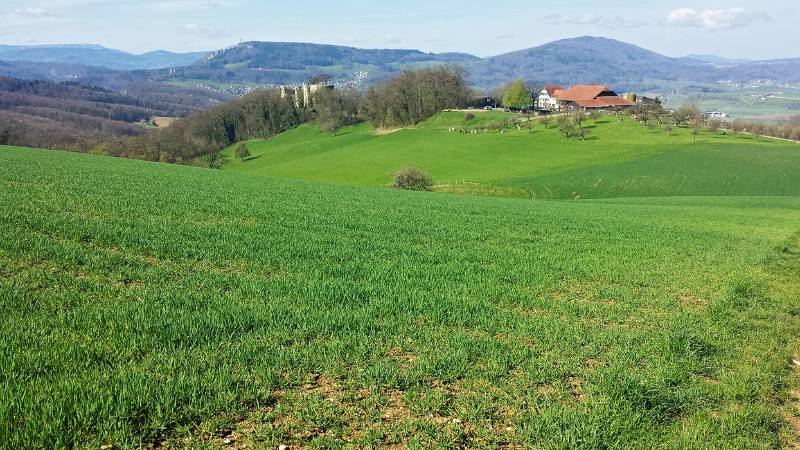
(242, 152)
(412, 179)
(468, 117)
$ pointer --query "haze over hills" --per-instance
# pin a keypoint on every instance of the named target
(96, 55)
(577, 60)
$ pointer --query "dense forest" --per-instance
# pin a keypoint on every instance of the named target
(74, 116)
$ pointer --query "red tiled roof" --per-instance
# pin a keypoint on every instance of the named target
(603, 102)
(552, 88)
(582, 92)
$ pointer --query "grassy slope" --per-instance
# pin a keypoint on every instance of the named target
(621, 160)
(183, 303)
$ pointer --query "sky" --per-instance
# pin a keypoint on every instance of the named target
(753, 29)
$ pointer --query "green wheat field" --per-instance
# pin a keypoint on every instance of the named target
(157, 305)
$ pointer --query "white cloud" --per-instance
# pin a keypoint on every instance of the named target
(33, 12)
(608, 22)
(714, 19)
(205, 31)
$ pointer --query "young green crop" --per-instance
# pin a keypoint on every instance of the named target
(156, 304)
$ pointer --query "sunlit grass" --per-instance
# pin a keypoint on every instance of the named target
(618, 160)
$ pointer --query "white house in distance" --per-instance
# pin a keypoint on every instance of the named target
(548, 98)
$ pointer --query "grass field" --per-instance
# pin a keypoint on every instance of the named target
(619, 160)
(181, 307)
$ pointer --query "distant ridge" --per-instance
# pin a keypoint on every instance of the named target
(584, 59)
(301, 55)
(717, 59)
(97, 56)
(590, 59)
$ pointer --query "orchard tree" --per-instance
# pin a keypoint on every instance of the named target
(714, 125)
(695, 127)
(583, 132)
(685, 115)
(566, 125)
(577, 116)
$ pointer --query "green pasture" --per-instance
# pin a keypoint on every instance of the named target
(619, 159)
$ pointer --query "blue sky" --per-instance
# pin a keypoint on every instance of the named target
(745, 28)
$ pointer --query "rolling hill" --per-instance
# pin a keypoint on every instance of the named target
(619, 160)
(595, 59)
(147, 304)
(97, 56)
(69, 115)
(581, 60)
(53, 71)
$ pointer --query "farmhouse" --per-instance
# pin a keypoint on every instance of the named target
(547, 99)
(592, 96)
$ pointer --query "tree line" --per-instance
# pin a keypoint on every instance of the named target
(71, 116)
(414, 96)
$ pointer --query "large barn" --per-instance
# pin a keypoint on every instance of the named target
(591, 96)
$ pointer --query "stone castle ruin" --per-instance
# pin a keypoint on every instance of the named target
(303, 95)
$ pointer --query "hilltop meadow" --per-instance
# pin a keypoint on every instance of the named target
(534, 160)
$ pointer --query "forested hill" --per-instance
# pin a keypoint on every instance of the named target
(626, 66)
(69, 115)
(298, 56)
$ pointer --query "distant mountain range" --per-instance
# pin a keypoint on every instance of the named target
(577, 60)
(95, 55)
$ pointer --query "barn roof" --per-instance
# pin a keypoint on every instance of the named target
(582, 92)
(553, 88)
(603, 102)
